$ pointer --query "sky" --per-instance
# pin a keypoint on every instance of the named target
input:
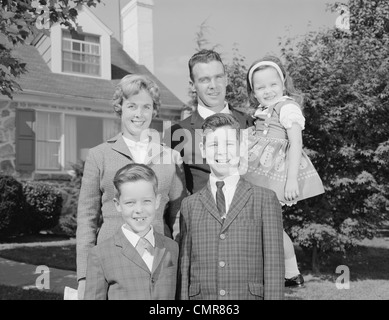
(255, 26)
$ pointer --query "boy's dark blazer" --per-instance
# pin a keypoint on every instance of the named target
(187, 143)
(241, 257)
(116, 271)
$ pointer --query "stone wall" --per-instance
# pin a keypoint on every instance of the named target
(7, 137)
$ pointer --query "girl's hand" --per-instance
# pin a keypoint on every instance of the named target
(291, 190)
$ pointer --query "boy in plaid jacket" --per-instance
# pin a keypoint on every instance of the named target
(231, 231)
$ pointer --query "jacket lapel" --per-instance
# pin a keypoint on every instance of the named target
(129, 251)
(153, 155)
(240, 117)
(120, 146)
(196, 123)
(242, 194)
(209, 203)
(159, 252)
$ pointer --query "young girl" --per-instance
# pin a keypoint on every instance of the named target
(276, 159)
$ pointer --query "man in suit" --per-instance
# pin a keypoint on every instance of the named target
(208, 80)
(231, 230)
(136, 263)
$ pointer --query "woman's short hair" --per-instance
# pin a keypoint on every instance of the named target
(131, 85)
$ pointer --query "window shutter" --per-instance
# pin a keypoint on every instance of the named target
(25, 140)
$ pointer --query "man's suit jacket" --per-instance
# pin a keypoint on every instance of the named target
(116, 271)
(185, 137)
(97, 193)
(241, 257)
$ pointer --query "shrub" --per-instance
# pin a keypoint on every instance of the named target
(68, 220)
(77, 172)
(43, 206)
(11, 204)
(68, 223)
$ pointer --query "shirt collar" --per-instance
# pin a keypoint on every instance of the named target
(230, 181)
(134, 238)
(206, 112)
(132, 143)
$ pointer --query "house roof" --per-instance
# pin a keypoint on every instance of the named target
(39, 77)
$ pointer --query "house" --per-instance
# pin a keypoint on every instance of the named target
(65, 106)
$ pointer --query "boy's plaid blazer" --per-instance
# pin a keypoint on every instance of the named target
(241, 257)
(116, 271)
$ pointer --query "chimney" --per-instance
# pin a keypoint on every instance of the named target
(137, 31)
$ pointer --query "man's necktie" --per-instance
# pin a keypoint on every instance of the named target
(220, 200)
(142, 245)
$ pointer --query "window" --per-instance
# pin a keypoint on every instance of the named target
(48, 141)
(80, 53)
(64, 139)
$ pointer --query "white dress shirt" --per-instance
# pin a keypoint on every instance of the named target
(206, 112)
(133, 238)
(138, 149)
(229, 188)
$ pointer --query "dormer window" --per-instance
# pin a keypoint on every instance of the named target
(81, 53)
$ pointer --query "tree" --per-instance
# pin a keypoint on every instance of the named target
(236, 93)
(344, 75)
(22, 19)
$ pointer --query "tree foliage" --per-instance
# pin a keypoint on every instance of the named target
(345, 78)
(22, 19)
(236, 93)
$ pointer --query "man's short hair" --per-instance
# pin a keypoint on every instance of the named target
(135, 172)
(203, 56)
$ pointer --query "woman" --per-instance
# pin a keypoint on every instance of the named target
(136, 100)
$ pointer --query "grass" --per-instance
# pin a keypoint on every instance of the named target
(61, 257)
(30, 238)
(15, 293)
(368, 269)
(368, 266)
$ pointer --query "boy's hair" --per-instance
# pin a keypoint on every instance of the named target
(131, 85)
(290, 90)
(203, 56)
(219, 120)
(135, 172)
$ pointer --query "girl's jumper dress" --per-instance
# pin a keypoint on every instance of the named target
(267, 163)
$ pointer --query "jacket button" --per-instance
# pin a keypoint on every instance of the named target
(222, 292)
(222, 236)
(152, 280)
(222, 264)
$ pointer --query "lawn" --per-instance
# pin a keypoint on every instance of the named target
(60, 257)
(15, 293)
(368, 267)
